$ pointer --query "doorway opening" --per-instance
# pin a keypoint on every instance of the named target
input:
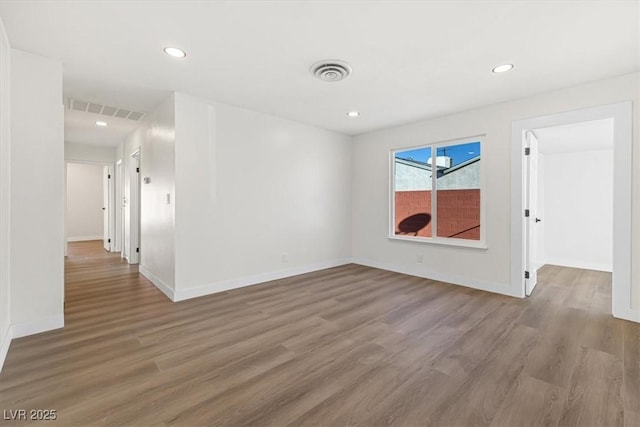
(569, 197)
(523, 220)
(89, 211)
(131, 205)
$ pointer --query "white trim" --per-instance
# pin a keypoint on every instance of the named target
(159, 283)
(447, 241)
(4, 347)
(631, 315)
(622, 196)
(427, 273)
(83, 238)
(576, 263)
(240, 282)
(19, 330)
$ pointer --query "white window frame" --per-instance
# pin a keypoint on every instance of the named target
(434, 239)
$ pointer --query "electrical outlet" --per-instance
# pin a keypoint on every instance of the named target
(285, 257)
(419, 258)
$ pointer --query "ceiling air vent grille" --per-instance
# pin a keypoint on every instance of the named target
(105, 110)
(331, 70)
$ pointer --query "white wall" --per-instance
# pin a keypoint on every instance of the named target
(157, 214)
(88, 153)
(37, 193)
(5, 192)
(635, 274)
(485, 269)
(84, 214)
(578, 213)
(251, 187)
(155, 137)
(541, 257)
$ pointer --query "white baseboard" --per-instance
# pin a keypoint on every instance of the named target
(425, 272)
(4, 347)
(628, 314)
(84, 238)
(225, 285)
(18, 330)
(580, 264)
(159, 283)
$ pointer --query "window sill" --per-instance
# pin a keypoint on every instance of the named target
(462, 243)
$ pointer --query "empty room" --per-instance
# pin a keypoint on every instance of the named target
(327, 213)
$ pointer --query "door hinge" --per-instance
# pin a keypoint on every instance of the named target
(527, 151)
(526, 274)
(138, 170)
(526, 213)
(137, 249)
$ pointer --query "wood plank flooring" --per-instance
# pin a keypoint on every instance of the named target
(345, 346)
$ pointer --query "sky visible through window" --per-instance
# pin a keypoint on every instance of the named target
(459, 153)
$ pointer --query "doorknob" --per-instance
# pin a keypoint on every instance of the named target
(538, 220)
(104, 209)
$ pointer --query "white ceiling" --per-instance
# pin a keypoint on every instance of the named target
(583, 136)
(410, 59)
(80, 127)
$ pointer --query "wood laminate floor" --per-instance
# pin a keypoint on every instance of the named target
(345, 346)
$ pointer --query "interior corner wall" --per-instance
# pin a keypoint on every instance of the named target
(484, 269)
(37, 194)
(257, 197)
(5, 192)
(155, 138)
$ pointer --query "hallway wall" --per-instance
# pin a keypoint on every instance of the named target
(5, 193)
(37, 194)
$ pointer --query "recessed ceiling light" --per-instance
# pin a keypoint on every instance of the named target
(175, 52)
(503, 68)
(101, 123)
(353, 113)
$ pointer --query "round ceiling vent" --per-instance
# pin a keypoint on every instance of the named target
(331, 70)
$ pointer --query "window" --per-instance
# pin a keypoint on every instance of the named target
(437, 193)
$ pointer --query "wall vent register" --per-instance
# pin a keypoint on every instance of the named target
(105, 110)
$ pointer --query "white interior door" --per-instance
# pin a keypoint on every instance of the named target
(134, 210)
(126, 223)
(532, 218)
(116, 202)
(106, 208)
